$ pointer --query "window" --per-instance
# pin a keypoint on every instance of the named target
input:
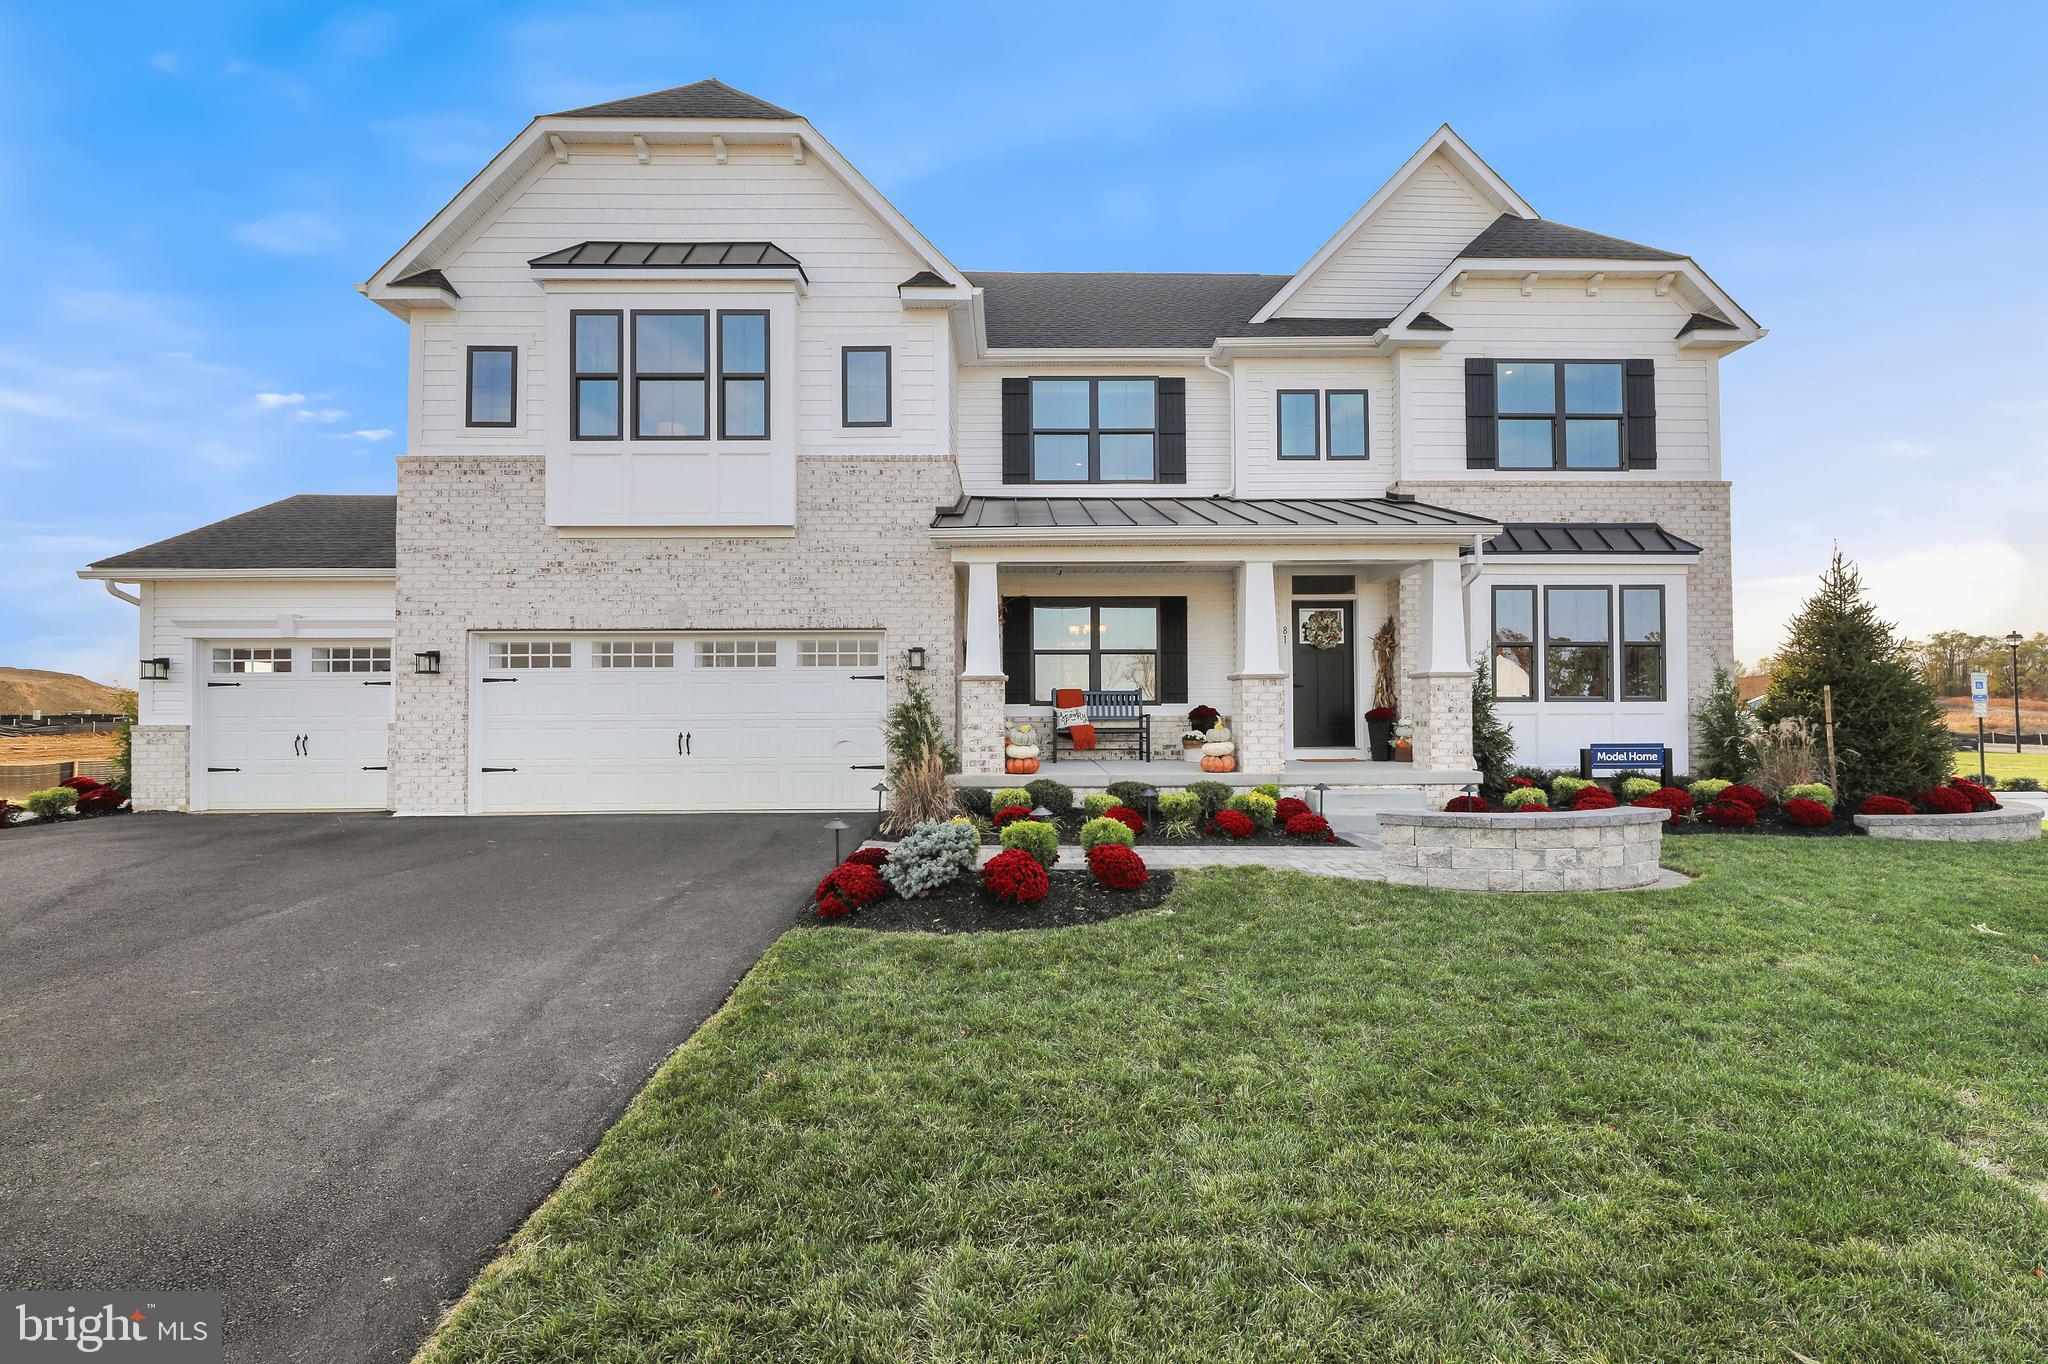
(1642, 644)
(264, 659)
(594, 385)
(1094, 430)
(669, 375)
(743, 375)
(1300, 435)
(1109, 645)
(353, 658)
(1559, 414)
(839, 653)
(864, 385)
(633, 653)
(1576, 662)
(493, 379)
(518, 654)
(736, 653)
(1514, 643)
(1347, 423)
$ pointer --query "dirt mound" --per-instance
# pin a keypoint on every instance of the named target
(24, 690)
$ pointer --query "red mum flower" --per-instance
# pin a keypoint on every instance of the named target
(1310, 826)
(1014, 876)
(1884, 805)
(1231, 824)
(1116, 867)
(1519, 783)
(1672, 798)
(1807, 814)
(1944, 800)
(1730, 814)
(847, 887)
(1748, 795)
(1126, 816)
(868, 857)
(1979, 796)
(82, 785)
(1467, 805)
(1012, 812)
(1592, 798)
(1287, 807)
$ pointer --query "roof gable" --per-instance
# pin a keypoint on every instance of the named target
(700, 99)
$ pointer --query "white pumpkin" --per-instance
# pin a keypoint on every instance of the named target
(1219, 735)
(1020, 751)
(1218, 750)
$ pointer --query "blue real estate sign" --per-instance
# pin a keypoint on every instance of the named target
(1616, 756)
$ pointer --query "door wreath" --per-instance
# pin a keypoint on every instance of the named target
(1322, 629)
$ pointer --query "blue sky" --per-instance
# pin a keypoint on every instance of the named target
(189, 194)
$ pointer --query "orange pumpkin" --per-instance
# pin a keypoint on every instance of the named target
(1020, 765)
(1226, 763)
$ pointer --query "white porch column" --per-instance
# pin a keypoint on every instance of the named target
(1258, 688)
(1439, 698)
(1444, 635)
(981, 722)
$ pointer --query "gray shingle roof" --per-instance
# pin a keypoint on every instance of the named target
(704, 99)
(1195, 513)
(925, 279)
(1130, 309)
(668, 256)
(312, 530)
(432, 279)
(1511, 238)
(1588, 537)
(1707, 322)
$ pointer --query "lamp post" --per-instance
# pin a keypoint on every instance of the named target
(838, 827)
(1150, 795)
(2013, 642)
(1321, 788)
(879, 788)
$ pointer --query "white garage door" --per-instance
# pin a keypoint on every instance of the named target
(677, 722)
(295, 726)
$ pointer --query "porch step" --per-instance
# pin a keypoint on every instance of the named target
(1354, 811)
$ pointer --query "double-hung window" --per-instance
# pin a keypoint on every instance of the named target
(491, 382)
(743, 375)
(1578, 653)
(864, 386)
(595, 346)
(1642, 644)
(1321, 423)
(1514, 643)
(1094, 430)
(1559, 414)
(1107, 645)
(669, 377)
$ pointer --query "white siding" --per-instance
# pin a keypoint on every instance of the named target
(1404, 245)
(177, 617)
(1264, 474)
(981, 431)
(1212, 620)
(1559, 320)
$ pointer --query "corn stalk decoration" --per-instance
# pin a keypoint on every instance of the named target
(1383, 649)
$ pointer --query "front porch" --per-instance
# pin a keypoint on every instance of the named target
(1088, 774)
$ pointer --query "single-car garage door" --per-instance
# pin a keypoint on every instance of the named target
(292, 726)
(677, 722)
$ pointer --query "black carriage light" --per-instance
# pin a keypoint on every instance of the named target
(1322, 788)
(1042, 815)
(880, 788)
(916, 653)
(838, 827)
(155, 669)
(427, 662)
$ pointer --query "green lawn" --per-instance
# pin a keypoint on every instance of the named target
(2003, 765)
(1797, 1110)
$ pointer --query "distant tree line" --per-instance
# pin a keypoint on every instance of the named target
(1948, 658)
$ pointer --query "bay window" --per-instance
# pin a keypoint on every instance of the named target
(1104, 645)
(594, 344)
(743, 375)
(669, 379)
(648, 374)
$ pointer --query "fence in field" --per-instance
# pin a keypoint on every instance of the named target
(18, 779)
(77, 722)
(2001, 738)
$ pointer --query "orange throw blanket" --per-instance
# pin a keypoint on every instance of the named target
(1069, 698)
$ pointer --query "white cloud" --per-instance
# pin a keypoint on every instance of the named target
(1987, 587)
(279, 399)
(170, 63)
(443, 139)
(292, 232)
(380, 433)
(320, 414)
(34, 404)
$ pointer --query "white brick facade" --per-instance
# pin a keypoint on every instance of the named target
(1258, 721)
(161, 765)
(982, 726)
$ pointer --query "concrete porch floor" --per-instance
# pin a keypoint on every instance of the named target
(1094, 772)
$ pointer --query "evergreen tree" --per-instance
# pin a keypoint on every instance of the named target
(1493, 743)
(1889, 734)
(1726, 729)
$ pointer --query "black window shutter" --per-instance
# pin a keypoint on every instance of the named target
(1482, 435)
(1173, 649)
(1173, 431)
(1016, 431)
(1639, 399)
(1017, 648)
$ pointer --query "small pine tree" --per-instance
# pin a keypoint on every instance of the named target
(1493, 743)
(1727, 730)
(1889, 735)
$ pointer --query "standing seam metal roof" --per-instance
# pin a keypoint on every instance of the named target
(1195, 513)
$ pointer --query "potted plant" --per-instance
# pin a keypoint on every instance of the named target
(1379, 732)
(1404, 742)
(1200, 721)
(1191, 746)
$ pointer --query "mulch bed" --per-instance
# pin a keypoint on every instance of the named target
(1774, 824)
(963, 907)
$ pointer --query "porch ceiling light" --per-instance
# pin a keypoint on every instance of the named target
(427, 662)
(155, 669)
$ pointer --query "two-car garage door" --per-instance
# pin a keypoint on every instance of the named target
(646, 722)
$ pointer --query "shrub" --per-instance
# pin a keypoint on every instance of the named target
(1787, 754)
(868, 857)
(1726, 727)
(1287, 807)
(1099, 804)
(6, 812)
(920, 760)
(1885, 805)
(1807, 814)
(2021, 783)
(1036, 837)
(1016, 878)
(1527, 798)
(1493, 742)
(1467, 805)
(1635, 788)
(974, 800)
(1010, 814)
(1980, 797)
(1592, 798)
(1730, 814)
(1231, 824)
(1819, 792)
(930, 856)
(1707, 790)
(53, 803)
(1009, 795)
(1943, 800)
(1262, 808)
(1564, 787)
(1179, 805)
(1214, 795)
(1105, 830)
(1129, 818)
(847, 887)
(1747, 795)
(1310, 826)
(1667, 798)
(1179, 830)
(1522, 783)
(1056, 797)
(1116, 867)
(1270, 790)
(1131, 793)
(95, 798)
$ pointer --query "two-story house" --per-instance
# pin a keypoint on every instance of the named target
(709, 451)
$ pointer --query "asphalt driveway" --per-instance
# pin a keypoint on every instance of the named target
(327, 1063)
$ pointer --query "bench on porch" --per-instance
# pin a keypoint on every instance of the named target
(1115, 714)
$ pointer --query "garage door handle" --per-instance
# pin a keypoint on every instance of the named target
(223, 769)
(376, 769)
(870, 677)
(501, 679)
(683, 742)
(223, 684)
(864, 767)
(376, 684)
(498, 769)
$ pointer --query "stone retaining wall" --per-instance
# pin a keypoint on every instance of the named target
(1572, 850)
(2010, 824)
